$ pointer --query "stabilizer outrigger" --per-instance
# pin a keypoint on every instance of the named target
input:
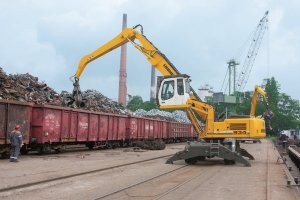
(200, 150)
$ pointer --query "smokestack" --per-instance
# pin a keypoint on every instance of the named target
(123, 73)
(152, 87)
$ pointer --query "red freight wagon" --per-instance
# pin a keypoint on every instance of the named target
(193, 133)
(12, 113)
(160, 129)
(54, 127)
(146, 128)
(116, 127)
(146, 132)
(179, 131)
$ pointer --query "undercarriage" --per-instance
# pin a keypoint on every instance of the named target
(228, 149)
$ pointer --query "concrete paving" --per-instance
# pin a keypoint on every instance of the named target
(210, 179)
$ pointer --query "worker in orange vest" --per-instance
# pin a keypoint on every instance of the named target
(16, 143)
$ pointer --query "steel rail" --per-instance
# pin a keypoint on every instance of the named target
(26, 185)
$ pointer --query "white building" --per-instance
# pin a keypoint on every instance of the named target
(290, 133)
(205, 92)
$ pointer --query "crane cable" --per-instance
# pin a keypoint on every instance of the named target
(226, 84)
(252, 52)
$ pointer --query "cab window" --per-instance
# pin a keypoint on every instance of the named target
(187, 86)
(180, 88)
(167, 90)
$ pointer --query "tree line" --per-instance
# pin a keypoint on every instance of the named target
(286, 109)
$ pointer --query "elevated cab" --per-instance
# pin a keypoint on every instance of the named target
(173, 91)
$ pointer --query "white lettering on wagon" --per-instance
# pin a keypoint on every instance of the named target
(83, 125)
(51, 122)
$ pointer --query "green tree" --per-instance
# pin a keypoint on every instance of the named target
(149, 105)
(244, 107)
(135, 103)
(272, 89)
(286, 110)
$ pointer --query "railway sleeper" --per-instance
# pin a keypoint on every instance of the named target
(199, 150)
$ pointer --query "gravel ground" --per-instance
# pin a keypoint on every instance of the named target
(210, 179)
(32, 168)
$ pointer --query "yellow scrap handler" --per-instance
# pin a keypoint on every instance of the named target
(259, 90)
(216, 138)
(268, 114)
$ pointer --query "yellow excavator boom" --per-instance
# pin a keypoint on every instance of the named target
(258, 90)
(175, 93)
(156, 58)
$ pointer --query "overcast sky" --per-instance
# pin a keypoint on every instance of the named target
(47, 38)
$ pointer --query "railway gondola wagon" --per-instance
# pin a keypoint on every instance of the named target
(146, 132)
(12, 113)
(55, 127)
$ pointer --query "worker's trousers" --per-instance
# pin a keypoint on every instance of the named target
(14, 152)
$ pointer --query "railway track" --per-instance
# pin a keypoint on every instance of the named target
(290, 156)
(30, 184)
(209, 179)
(139, 183)
(83, 148)
(294, 154)
(197, 177)
(197, 180)
(268, 196)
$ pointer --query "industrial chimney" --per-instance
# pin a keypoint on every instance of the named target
(123, 72)
(152, 87)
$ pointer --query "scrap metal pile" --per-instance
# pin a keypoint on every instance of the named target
(28, 88)
(98, 102)
(24, 87)
(177, 115)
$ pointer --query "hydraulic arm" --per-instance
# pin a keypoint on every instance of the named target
(268, 114)
(175, 92)
(258, 90)
(140, 42)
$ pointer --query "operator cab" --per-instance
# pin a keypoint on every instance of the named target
(173, 90)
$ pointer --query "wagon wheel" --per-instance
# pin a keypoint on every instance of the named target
(24, 150)
(5, 155)
(41, 150)
(90, 146)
